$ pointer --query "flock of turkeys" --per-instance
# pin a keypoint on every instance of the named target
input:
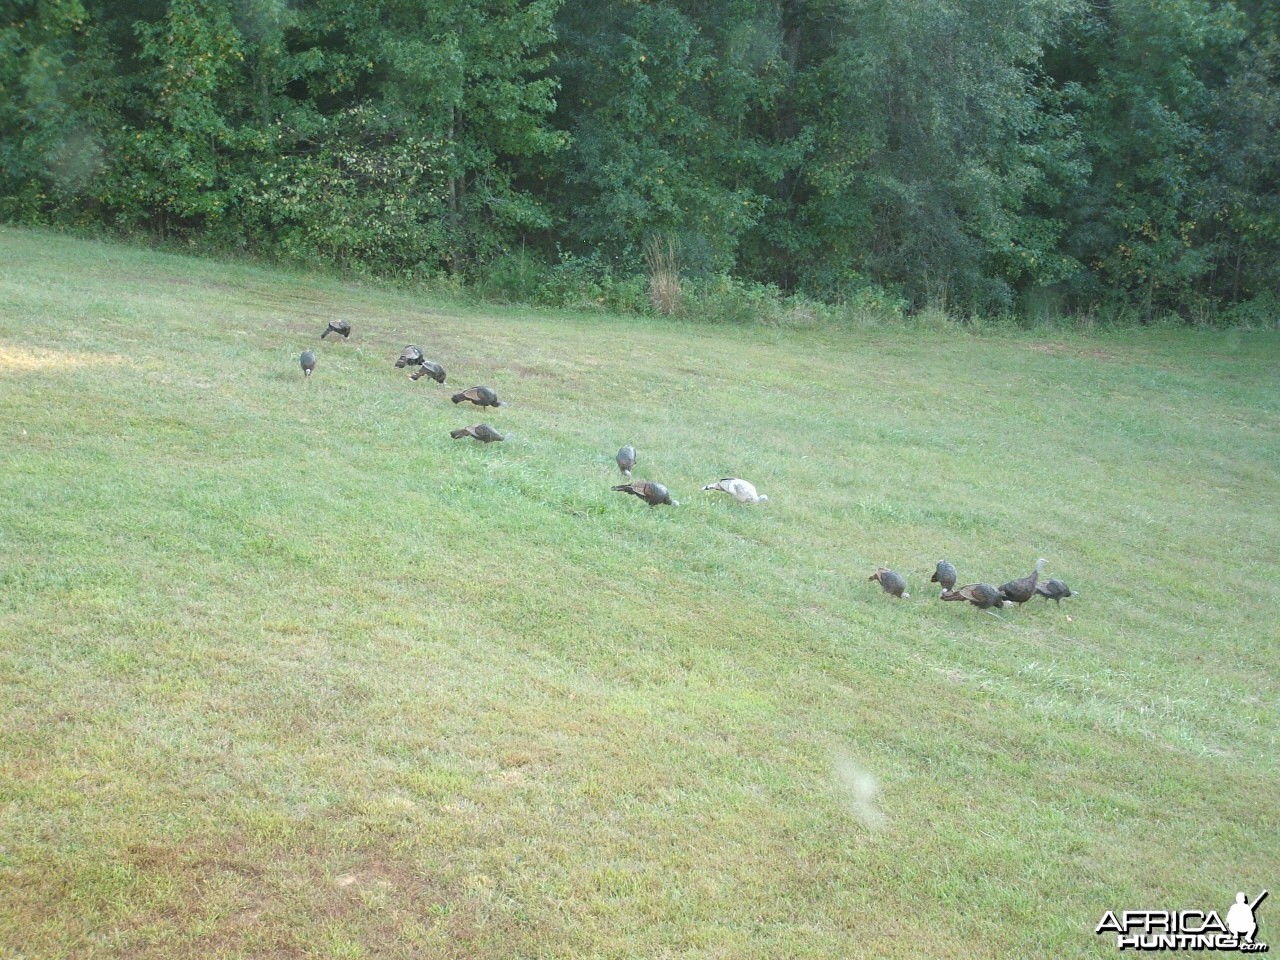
(982, 595)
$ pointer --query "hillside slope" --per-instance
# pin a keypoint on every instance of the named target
(286, 671)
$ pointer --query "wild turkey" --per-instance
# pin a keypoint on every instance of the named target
(891, 582)
(410, 356)
(626, 460)
(945, 575)
(480, 396)
(741, 490)
(481, 431)
(982, 595)
(648, 491)
(338, 326)
(1023, 589)
(308, 361)
(1055, 590)
(428, 369)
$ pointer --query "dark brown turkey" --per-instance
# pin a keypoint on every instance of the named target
(1055, 590)
(480, 396)
(626, 460)
(428, 369)
(410, 356)
(891, 581)
(308, 361)
(338, 326)
(1024, 588)
(982, 595)
(945, 574)
(648, 491)
(481, 431)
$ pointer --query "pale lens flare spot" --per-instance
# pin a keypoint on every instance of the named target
(861, 789)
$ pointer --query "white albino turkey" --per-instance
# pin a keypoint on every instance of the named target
(741, 490)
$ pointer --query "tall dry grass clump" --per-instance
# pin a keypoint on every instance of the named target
(662, 255)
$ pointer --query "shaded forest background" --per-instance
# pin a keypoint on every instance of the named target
(987, 156)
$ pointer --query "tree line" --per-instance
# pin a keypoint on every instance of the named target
(989, 155)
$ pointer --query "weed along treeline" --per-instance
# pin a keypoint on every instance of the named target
(989, 156)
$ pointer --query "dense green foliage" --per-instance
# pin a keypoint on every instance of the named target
(1006, 156)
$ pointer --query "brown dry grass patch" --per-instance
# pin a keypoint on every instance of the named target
(16, 359)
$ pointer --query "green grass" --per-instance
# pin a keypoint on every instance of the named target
(287, 672)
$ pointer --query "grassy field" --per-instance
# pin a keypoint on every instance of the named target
(287, 672)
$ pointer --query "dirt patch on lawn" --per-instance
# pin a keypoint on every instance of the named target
(19, 359)
(1062, 349)
(524, 370)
